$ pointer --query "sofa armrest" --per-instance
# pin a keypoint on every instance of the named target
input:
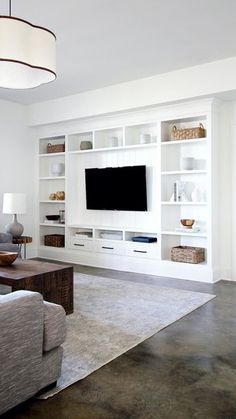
(5, 238)
(54, 326)
(21, 340)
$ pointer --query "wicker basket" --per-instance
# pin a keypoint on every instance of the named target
(55, 240)
(188, 254)
(188, 133)
(55, 148)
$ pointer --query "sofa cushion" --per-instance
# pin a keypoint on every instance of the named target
(54, 326)
(9, 247)
(5, 238)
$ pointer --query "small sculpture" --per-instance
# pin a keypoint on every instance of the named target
(57, 196)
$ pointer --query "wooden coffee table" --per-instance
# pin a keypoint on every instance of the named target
(53, 281)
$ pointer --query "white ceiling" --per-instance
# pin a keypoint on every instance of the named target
(104, 42)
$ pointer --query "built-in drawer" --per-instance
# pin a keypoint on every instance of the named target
(141, 250)
(109, 246)
(81, 244)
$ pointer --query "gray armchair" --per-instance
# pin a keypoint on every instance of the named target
(32, 332)
(6, 244)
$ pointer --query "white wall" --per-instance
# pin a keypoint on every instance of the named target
(17, 164)
(192, 82)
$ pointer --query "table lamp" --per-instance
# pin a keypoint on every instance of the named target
(14, 203)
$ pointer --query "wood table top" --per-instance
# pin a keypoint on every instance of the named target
(27, 268)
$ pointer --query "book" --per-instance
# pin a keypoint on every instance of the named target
(144, 239)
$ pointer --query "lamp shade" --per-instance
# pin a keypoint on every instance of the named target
(27, 54)
(14, 203)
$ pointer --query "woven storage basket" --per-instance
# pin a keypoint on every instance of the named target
(188, 133)
(188, 254)
(55, 240)
(55, 148)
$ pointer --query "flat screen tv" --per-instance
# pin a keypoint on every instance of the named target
(116, 188)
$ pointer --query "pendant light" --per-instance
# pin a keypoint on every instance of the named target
(27, 53)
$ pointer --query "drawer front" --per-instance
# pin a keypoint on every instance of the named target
(142, 250)
(112, 247)
(79, 244)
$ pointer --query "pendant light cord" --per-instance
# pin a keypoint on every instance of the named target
(9, 7)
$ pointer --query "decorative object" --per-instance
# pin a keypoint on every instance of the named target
(14, 203)
(53, 217)
(54, 240)
(57, 169)
(179, 194)
(55, 148)
(112, 316)
(145, 138)
(27, 53)
(57, 196)
(198, 194)
(188, 254)
(187, 163)
(7, 258)
(187, 223)
(114, 141)
(62, 216)
(86, 145)
(188, 133)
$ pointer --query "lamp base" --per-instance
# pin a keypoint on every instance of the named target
(15, 229)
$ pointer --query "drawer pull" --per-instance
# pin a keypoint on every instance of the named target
(140, 251)
(106, 247)
(76, 244)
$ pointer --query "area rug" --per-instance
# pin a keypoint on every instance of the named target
(112, 316)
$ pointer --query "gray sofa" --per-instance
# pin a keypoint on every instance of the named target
(6, 244)
(32, 332)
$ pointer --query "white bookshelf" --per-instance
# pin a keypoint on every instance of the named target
(126, 141)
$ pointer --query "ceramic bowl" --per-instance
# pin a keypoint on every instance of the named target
(7, 258)
(52, 217)
(187, 223)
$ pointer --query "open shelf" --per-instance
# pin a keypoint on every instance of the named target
(184, 233)
(183, 203)
(52, 225)
(52, 178)
(185, 142)
(184, 172)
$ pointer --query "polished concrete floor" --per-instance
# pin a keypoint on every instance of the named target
(187, 370)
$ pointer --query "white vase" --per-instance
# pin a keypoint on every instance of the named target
(57, 169)
(196, 194)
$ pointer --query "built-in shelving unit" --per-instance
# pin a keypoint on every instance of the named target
(105, 238)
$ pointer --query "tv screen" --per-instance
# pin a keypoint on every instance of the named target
(116, 188)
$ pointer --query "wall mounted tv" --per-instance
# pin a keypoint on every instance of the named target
(116, 188)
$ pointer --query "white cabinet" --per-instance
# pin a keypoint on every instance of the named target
(143, 138)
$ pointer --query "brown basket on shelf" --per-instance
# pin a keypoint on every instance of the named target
(55, 148)
(188, 254)
(54, 240)
(188, 133)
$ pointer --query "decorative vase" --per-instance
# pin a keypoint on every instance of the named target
(57, 169)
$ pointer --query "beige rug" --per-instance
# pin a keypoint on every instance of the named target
(112, 316)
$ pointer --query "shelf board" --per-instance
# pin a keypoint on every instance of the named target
(184, 172)
(52, 154)
(112, 228)
(183, 233)
(52, 178)
(48, 201)
(52, 225)
(184, 265)
(190, 141)
(125, 147)
(183, 203)
(42, 246)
